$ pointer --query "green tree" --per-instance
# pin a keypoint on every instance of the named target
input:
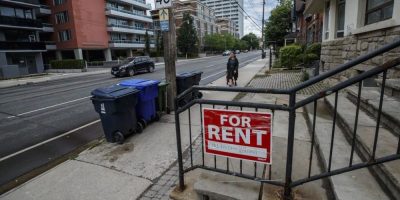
(187, 36)
(251, 40)
(279, 23)
(147, 43)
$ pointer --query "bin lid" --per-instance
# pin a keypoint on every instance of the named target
(139, 83)
(188, 74)
(185, 75)
(113, 92)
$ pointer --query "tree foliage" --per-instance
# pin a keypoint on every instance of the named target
(222, 42)
(279, 23)
(251, 40)
(187, 36)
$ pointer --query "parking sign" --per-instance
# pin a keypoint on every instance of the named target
(159, 4)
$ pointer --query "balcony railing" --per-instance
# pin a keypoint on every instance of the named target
(16, 45)
(127, 12)
(127, 26)
(12, 21)
(130, 42)
(34, 2)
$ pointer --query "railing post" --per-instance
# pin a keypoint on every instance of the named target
(289, 157)
(179, 148)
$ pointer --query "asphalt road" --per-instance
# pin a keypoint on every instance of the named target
(35, 113)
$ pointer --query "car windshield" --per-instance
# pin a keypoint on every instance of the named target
(128, 60)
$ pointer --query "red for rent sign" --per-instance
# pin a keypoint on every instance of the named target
(238, 134)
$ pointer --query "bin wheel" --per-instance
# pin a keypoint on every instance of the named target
(119, 137)
(143, 122)
(131, 72)
(139, 128)
(150, 69)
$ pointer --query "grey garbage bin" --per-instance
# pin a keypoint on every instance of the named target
(116, 107)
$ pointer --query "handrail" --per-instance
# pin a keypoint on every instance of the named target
(346, 66)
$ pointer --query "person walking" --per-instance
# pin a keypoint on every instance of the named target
(232, 70)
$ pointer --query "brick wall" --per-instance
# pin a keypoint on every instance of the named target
(342, 50)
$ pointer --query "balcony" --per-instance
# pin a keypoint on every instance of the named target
(50, 45)
(16, 46)
(314, 6)
(115, 12)
(30, 3)
(128, 44)
(137, 3)
(48, 28)
(128, 29)
(12, 22)
(43, 10)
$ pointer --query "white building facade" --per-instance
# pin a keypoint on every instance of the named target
(354, 27)
(231, 9)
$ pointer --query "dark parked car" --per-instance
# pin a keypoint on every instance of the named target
(132, 66)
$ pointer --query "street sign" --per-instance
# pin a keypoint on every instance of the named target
(164, 26)
(159, 4)
(164, 14)
(238, 134)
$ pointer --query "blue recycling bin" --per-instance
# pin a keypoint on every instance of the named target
(146, 106)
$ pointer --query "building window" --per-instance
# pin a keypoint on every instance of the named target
(340, 18)
(64, 35)
(326, 21)
(16, 12)
(62, 17)
(378, 10)
(59, 2)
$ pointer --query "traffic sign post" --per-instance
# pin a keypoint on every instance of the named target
(238, 134)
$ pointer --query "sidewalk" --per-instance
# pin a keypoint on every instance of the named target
(143, 167)
(58, 76)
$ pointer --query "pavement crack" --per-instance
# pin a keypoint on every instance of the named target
(112, 168)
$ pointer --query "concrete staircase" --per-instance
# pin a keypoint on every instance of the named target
(383, 179)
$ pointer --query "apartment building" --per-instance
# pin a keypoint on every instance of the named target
(309, 26)
(20, 45)
(227, 26)
(87, 29)
(231, 9)
(204, 20)
(353, 27)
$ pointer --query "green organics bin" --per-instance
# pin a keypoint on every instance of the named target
(162, 98)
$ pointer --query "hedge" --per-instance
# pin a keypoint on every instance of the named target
(67, 64)
(290, 55)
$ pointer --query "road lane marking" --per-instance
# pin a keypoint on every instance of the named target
(60, 104)
(47, 141)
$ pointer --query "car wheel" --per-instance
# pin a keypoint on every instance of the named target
(131, 72)
(150, 69)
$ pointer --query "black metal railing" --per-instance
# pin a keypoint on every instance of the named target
(287, 181)
(15, 45)
(19, 22)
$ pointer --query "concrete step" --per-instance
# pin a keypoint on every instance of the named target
(392, 87)
(390, 117)
(355, 185)
(386, 174)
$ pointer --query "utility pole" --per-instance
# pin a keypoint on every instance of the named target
(262, 31)
(169, 60)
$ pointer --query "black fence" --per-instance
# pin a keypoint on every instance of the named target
(13, 21)
(287, 182)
